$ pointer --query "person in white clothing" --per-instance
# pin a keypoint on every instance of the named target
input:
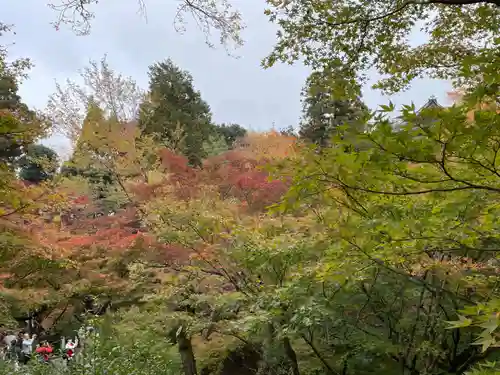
(70, 348)
(27, 348)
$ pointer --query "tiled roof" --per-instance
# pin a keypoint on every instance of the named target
(431, 103)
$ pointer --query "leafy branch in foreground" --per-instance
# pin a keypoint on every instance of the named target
(354, 37)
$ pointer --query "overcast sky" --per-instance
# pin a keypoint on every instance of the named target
(238, 90)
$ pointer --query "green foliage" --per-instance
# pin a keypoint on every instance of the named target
(110, 351)
(369, 255)
(19, 126)
(412, 230)
(488, 368)
(357, 36)
(173, 103)
(324, 115)
(231, 133)
(378, 260)
(38, 164)
(215, 145)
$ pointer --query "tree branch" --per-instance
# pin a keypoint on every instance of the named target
(406, 4)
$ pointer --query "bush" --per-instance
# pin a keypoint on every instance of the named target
(108, 354)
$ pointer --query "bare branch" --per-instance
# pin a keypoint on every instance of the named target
(209, 15)
(118, 96)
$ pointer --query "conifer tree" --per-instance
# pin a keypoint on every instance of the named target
(175, 103)
(325, 112)
(38, 164)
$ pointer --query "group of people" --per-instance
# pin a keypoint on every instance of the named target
(21, 348)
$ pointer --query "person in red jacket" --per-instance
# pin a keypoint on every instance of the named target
(44, 351)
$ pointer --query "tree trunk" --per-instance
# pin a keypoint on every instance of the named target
(186, 352)
(291, 355)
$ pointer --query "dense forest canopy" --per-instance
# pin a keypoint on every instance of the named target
(366, 243)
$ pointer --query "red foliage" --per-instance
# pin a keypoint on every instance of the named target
(87, 238)
(114, 238)
(173, 162)
(236, 174)
(183, 178)
(114, 234)
(82, 199)
(144, 191)
(257, 190)
(244, 178)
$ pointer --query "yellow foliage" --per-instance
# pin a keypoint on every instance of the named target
(269, 145)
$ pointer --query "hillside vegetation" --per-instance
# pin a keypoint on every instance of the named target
(364, 244)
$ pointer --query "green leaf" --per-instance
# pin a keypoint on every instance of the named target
(485, 342)
(490, 325)
(462, 322)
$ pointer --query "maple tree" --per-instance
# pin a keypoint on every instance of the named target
(391, 241)
(272, 255)
(407, 237)
(27, 267)
(351, 38)
(237, 175)
(183, 193)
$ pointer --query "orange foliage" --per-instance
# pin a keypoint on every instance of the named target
(270, 145)
(64, 225)
(113, 238)
(236, 174)
(457, 96)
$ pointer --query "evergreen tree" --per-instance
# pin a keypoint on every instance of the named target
(38, 164)
(230, 132)
(174, 103)
(19, 126)
(325, 113)
(215, 145)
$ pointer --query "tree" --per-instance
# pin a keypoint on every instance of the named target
(117, 96)
(38, 164)
(231, 133)
(19, 126)
(102, 155)
(353, 37)
(174, 104)
(215, 145)
(242, 175)
(324, 115)
(268, 145)
(401, 197)
(208, 15)
(395, 214)
(289, 131)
